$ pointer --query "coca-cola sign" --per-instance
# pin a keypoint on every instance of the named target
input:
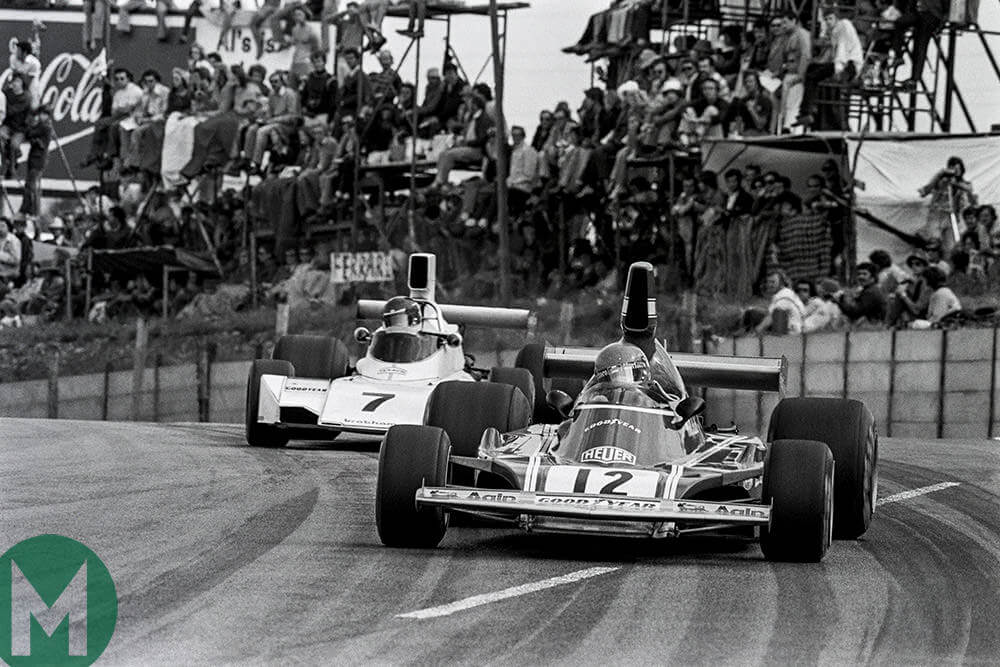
(71, 77)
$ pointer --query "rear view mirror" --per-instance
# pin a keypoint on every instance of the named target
(560, 401)
(692, 406)
(362, 335)
(454, 340)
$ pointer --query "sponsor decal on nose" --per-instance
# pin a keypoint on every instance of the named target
(608, 454)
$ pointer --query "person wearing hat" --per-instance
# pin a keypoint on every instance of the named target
(643, 65)
(58, 230)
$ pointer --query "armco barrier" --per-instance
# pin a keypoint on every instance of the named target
(916, 383)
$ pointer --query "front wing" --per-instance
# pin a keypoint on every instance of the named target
(594, 507)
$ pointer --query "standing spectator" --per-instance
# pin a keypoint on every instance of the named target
(15, 123)
(39, 135)
(319, 91)
(355, 89)
(786, 310)
(260, 17)
(26, 267)
(797, 53)
(416, 17)
(867, 305)
(10, 252)
(523, 177)
(758, 44)
(305, 42)
(545, 121)
(951, 193)
(738, 201)
(926, 22)
(387, 82)
(126, 96)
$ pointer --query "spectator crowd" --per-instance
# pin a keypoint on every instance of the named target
(321, 150)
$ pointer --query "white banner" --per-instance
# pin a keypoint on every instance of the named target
(361, 267)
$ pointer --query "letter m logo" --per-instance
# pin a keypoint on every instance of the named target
(26, 604)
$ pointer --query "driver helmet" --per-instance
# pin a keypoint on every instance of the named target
(621, 364)
(401, 311)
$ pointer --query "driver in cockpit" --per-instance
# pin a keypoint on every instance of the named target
(401, 311)
(624, 366)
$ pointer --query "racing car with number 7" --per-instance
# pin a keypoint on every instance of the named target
(308, 390)
(631, 455)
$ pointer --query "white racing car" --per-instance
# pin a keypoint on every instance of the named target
(308, 390)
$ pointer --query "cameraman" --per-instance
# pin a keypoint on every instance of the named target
(951, 193)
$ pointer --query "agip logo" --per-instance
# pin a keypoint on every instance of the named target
(58, 604)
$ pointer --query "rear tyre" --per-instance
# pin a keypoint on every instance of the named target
(263, 435)
(516, 377)
(314, 356)
(411, 457)
(798, 484)
(848, 428)
(531, 358)
(465, 409)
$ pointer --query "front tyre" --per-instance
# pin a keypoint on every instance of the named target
(848, 428)
(411, 457)
(798, 484)
(263, 435)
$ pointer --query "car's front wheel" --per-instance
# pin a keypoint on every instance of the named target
(411, 457)
(263, 435)
(798, 484)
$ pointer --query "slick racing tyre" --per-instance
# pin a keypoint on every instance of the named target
(314, 356)
(531, 358)
(465, 409)
(848, 428)
(516, 377)
(411, 457)
(798, 484)
(263, 435)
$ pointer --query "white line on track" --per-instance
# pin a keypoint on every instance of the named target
(515, 591)
(913, 493)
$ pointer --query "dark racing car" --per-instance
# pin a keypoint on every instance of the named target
(630, 455)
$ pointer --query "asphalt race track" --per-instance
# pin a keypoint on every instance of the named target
(223, 554)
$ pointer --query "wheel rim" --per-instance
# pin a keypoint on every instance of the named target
(828, 509)
(871, 472)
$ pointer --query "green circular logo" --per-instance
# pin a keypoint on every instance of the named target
(58, 604)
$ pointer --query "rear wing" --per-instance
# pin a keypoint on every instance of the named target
(702, 370)
(473, 316)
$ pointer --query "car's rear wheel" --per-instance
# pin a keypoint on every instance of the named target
(798, 484)
(411, 457)
(521, 378)
(263, 435)
(848, 428)
(314, 356)
(531, 358)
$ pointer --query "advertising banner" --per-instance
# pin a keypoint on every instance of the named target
(360, 267)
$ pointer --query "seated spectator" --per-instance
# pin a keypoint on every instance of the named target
(889, 274)
(935, 256)
(750, 114)
(867, 304)
(24, 60)
(706, 72)
(318, 91)
(703, 117)
(786, 310)
(665, 113)
(126, 97)
(943, 301)
(283, 118)
(179, 98)
(912, 296)
(822, 312)
(471, 147)
(842, 64)
(10, 253)
(152, 109)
